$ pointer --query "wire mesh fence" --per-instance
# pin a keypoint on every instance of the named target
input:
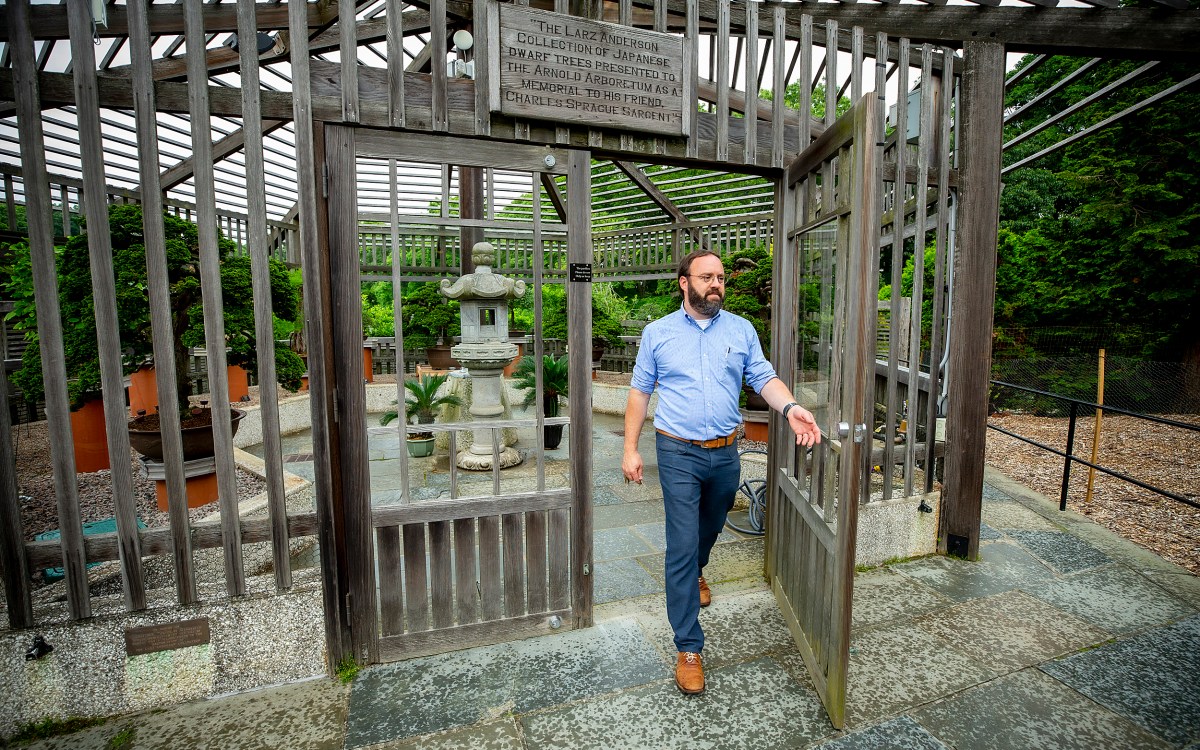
(1129, 383)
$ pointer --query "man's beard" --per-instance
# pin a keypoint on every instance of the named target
(704, 305)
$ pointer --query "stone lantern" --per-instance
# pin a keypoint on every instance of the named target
(485, 350)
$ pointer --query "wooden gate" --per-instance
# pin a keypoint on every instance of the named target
(828, 217)
(455, 558)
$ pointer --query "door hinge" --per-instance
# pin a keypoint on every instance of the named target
(335, 405)
(860, 433)
(325, 180)
(349, 603)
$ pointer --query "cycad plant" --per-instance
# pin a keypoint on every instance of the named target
(554, 381)
(423, 401)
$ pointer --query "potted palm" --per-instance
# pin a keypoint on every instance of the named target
(422, 401)
(554, 384)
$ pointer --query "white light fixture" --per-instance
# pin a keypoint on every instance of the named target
(463, 40)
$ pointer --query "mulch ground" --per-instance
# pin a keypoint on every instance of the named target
(1159, 455)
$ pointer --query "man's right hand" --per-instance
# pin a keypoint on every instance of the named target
(631, 466)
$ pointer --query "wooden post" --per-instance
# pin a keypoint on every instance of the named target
(1096, 432)
(981, 113)
(579, 332)
(470, 206)
(349, 395)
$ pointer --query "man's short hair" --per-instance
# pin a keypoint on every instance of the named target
(685, 265)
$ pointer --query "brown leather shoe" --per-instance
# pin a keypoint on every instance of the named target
(689, 673)
(705, 593)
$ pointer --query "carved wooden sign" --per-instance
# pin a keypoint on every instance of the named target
(563, 68)
(167, 636)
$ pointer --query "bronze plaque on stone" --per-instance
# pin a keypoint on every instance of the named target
(166, 637)
(568, 69)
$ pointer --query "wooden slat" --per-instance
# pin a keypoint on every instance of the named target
(945, 98)
(892, 395)
(413, 645)
(750, 144)
(559, 560)
(454, 509)
(437, 43)
(535, 556)
(779, 84)
(316, 312)
(416, 579)
(395, 62)
(691, 64)
(38, 217)
(391, 590)
(210, 286)
(105, 305)
(441, 581)
(979, 136)
(434, 148)
(350, 398)
(348, 54)
(490, 592)
(158, 283)
(17, 593)
(466, 583)
(483, 74)
(514, 566)
(722, 38)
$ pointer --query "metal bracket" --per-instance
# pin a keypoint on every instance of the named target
(843, 430)
(587, 569)
(860, 432)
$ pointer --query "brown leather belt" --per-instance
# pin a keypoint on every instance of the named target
(720, 442)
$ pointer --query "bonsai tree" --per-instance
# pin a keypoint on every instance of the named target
(607, 312)
(554, 381)
(429, 318)
(422, 401)
(133, 307)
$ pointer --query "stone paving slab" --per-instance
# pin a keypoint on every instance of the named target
(500, 734)
(626, 514)
(883, 595)
(1064, 552)
(1003, 566)
(729, 561)
(1179, 583)
(604, 495)
(898, 734)
(611, 544)
(310, 714)
(1027, 709)
(987, 533)
(656, 535)
(1149, 678)
(1012, 630)
(622, 579)
(443, 692)
(1113, 598)
(737, 628)
(898, 666)
(1012, 515)
(753, 705)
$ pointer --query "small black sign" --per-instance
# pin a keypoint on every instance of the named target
(581, 272)
(166, 637)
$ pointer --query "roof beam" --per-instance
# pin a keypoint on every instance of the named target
(640, 178)
(183, 171)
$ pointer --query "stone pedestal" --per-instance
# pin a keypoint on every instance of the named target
(485, 363)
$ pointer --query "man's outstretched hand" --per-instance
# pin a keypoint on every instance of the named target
(804, 425)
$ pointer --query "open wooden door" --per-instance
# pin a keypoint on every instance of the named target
(828, 243)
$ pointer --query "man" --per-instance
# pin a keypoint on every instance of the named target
(697, 357)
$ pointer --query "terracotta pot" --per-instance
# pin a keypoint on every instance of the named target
(239, 382)
(197, 441)
(143, 391)
(201, 490)
(89, 437)
(369, 363)
(439, 357)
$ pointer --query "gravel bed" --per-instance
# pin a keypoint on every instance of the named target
(35, 484)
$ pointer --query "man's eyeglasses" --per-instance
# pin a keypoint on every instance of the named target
(709, 278)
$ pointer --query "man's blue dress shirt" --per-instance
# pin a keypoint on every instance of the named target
(699, 372)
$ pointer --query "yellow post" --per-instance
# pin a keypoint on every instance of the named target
(1096, 433)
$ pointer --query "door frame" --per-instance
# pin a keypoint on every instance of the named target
(353, 520)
